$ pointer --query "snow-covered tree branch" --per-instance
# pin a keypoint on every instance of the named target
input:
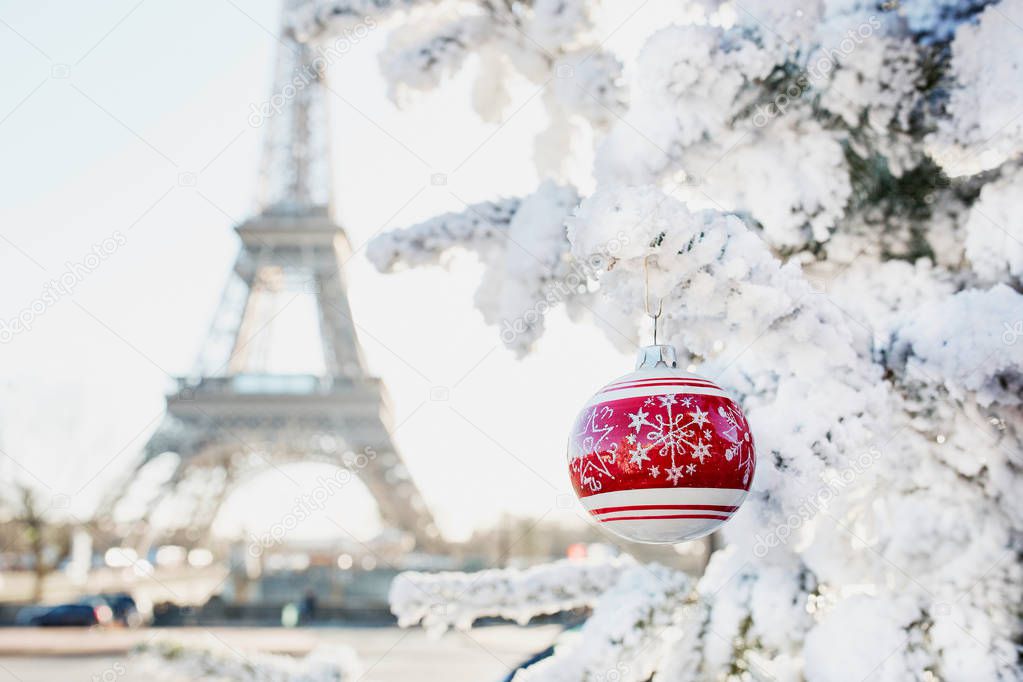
(826, 196)
(445, 600)
(549, 43)
(210, 658)
(523, 246)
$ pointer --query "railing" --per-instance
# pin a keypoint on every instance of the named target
(257, 384)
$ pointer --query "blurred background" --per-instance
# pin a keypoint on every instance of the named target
(213, 411)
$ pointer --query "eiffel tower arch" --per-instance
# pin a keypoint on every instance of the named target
(260, 396)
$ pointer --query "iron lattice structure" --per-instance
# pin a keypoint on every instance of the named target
(240, 413)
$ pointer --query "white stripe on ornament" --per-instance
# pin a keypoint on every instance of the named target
(728, 497)
(664, 530)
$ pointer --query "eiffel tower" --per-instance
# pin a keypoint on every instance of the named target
(261, 396)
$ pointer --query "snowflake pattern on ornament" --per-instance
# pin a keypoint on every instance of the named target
(742, 443)
(594, 465)
(673, 439)
(677, 432)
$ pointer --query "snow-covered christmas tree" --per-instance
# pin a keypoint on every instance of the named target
(826, 194)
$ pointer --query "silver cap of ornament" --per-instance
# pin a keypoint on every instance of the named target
(656, 356)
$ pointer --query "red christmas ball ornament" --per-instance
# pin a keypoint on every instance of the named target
(661, 455)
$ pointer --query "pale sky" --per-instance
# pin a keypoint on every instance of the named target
(104, 106)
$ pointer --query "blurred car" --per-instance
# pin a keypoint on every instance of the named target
(167, 614)
(27, 613)
(123, 609)
(68, 615)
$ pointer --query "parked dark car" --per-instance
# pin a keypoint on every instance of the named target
(170, 614)
(123, 609)
(71, 615)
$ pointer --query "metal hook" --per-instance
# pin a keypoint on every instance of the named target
(646, 296)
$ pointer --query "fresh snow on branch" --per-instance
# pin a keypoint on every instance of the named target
(984, 128)
(641, 614)
(552, 44)
(172, 660)
(971, 343)
(645, 615)
(993, 235)
(315, 19)
(421, 55)
(454, 600)
(523, 246)
(479, 228)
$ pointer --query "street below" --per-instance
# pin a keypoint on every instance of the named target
(385, 653)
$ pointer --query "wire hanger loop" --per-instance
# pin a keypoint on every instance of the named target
(646, 296)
